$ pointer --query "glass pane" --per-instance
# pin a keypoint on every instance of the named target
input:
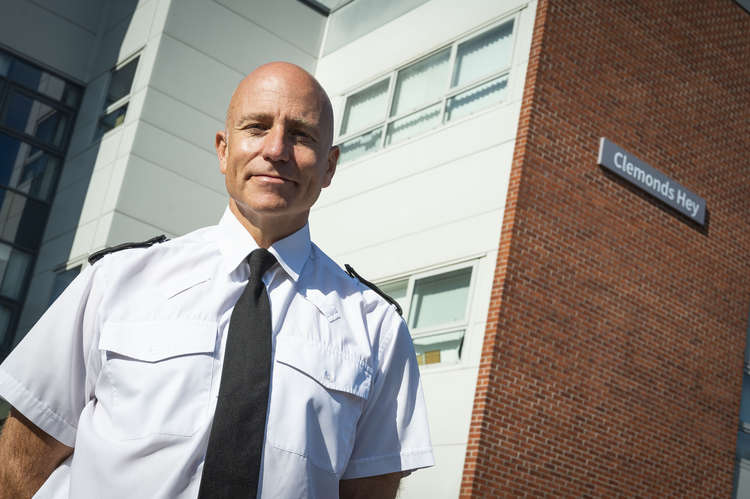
(396, 290)
(14, 268)
(366, 107)
(17, 111)
(475, 99)
(121, 81)
(38, 80)
(62, 280)
(745, 400)
(110, 121)
(360, 146)
(743, 445)
(5, 316)
(413, 124)
(421, 82)
(72, 96)
(4, 64)
(27, 168)
(22, 219)
(51, 86)
(440, 299)
(443, 348)
(483, 55)
(34, 118)
(25, 74)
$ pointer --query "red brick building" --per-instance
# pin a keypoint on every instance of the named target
(613, 355)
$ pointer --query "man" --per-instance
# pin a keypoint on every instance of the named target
(115, 389)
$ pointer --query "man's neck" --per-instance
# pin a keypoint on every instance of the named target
(266, 230)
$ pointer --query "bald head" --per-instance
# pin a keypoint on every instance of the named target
(285, 79)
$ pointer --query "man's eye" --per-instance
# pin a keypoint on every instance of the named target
(256, 127)
(302, 135)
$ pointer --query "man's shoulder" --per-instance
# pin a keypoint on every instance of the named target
(328, 277)
(155, 247)
(158, 264)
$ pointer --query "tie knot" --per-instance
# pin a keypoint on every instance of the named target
(260, 261)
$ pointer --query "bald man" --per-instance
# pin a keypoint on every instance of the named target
(235, 361)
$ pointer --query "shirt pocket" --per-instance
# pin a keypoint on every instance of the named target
(317, 395)
(157, 376)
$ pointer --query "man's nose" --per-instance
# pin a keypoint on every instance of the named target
(275, 145)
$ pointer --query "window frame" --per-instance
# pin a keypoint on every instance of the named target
(462, 324)
(58, 152)
(102, 129)
(512, 16)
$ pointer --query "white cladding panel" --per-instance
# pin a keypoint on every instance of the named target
(25, 25)
(430, 201)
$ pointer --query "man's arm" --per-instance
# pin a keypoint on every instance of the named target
(371, 487)
(27, 457)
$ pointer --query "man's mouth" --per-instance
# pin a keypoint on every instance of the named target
(270, 179)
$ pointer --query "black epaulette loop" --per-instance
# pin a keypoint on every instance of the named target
(95, 257)
(353, 273)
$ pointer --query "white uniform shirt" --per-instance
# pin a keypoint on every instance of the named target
(125, 367)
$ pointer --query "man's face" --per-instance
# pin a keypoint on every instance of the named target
(275, 154)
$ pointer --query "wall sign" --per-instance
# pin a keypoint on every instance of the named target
(643, 176)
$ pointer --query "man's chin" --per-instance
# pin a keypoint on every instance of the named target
(278, 207)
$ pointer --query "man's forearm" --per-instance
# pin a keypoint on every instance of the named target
(27, 457)
(373, 487)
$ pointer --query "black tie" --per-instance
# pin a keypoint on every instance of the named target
(232, 466)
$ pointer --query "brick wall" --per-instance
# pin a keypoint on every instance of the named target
(614, 346)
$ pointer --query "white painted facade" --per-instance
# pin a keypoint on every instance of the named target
(424, 204)
(428, 202)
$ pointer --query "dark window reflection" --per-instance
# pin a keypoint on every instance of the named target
(27, 169)
(110, 121)
(43, 82)
(121, 81)
(25, 74)
(24, 114)
(6, 314)
(14, 268)
(22, 219)
(5, 61)
(17, 111)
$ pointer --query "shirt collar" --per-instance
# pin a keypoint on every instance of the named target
(236, 244)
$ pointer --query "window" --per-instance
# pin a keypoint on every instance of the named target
(37, 111)
(118, 96)
(435, 306)
(453, 82)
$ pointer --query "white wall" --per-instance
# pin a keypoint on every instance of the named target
(82, 212)
(25, 26)
(429, 201)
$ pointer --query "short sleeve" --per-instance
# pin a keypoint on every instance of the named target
(45, 376)
(392, 433)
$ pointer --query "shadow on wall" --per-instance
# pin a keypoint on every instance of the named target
(57, 148)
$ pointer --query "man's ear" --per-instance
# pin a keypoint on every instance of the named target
(333, 159)
(222, 146)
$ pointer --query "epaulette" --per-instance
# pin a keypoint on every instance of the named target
(353, 273)
(94, 257)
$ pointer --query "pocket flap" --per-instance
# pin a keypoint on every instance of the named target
(334, 369)
(157, 340)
